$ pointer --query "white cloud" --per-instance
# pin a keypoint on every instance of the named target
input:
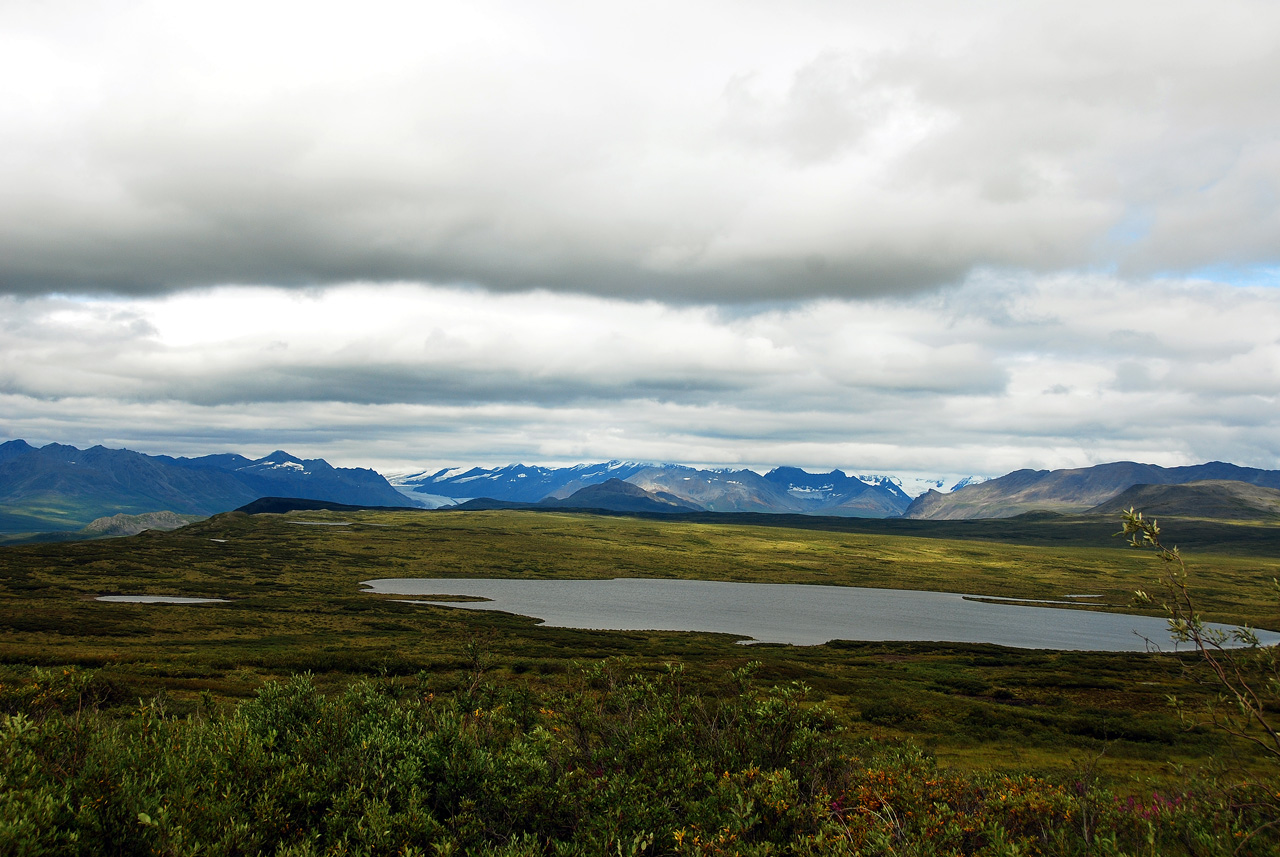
(995, 375)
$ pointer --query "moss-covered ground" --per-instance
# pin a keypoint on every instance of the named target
(295, 605)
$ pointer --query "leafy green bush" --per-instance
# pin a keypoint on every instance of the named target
(617, 762)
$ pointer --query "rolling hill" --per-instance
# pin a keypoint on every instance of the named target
(1211, 498)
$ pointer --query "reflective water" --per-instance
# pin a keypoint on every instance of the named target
(158, 599)
(791, 613)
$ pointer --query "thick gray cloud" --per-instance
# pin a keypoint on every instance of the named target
(700, 152)
(1002, 373)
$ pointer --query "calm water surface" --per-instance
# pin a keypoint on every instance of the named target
(790, 613)
(158, 599)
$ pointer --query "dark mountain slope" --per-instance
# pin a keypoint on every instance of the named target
(283, 475)
(1076, 490)
(66, 488)
(835, 493)
(13, 449)
(59, 487)
(284, 505)
(717, 490)
(614, 495)
(517, 482)
(1213, 498)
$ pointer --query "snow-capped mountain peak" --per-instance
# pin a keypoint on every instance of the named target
(783, 489)
(914, 486)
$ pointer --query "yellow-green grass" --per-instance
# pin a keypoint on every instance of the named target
(295, 606)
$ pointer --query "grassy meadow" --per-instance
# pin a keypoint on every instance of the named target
(970, 712)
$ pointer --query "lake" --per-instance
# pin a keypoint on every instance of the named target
(790, 613)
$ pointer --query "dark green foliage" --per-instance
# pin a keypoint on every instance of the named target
(619, 762)
(887, 712)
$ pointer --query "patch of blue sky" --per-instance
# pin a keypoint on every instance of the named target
(1132, 227)
(1236, 275)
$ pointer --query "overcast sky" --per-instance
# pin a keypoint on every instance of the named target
(913, 238)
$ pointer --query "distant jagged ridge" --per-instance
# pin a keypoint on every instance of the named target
(1072, 491)
(516, 482)
(782, 490)
(59, 487)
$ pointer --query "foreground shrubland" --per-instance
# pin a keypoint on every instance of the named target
(613, 763)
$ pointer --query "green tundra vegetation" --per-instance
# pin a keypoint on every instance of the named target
(305, 717)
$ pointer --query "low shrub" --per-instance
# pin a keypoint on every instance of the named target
(616, 762)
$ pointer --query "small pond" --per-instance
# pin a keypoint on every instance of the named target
(790, 613)
(158, 599)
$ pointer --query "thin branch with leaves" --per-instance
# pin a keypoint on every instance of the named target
(1245, 672)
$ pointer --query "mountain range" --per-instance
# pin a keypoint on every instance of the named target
(612, 495)
(60, 488)
(783, 489)
(1072, 491)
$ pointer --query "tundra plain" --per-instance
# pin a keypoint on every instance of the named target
(295, 606)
